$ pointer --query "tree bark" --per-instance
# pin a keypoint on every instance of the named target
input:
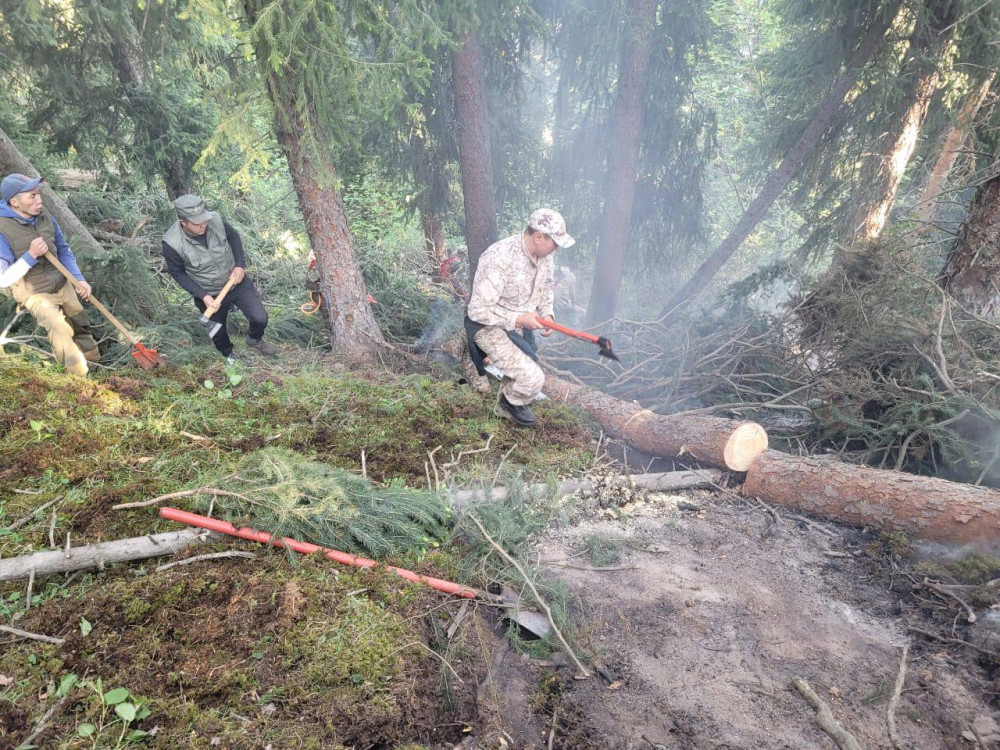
(474, 149)
(791, 164)
(99, 555)
(345, 296)
(973, 263)
(719, 442)
(303, 142)
(882, 178)
(923, 507)
(12, 160)
(953, 142)
(623, 162)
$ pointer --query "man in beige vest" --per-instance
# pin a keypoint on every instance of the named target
(28, 232)
(203, 252)
(513, 288)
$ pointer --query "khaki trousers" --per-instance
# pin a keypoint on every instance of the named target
(65, 321)
(522, 377)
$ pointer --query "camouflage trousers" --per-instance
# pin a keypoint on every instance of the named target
(523, 378)
(65, 321)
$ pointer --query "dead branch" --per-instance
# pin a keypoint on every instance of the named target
(43, 723)
(210, 556)
(890, 711)
(970, 615)
(183, 493)
(824, 717)
(24, 519)
(534, 591)
(945, 639)
(32, 636)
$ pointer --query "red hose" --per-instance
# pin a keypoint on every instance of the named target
(306, 548)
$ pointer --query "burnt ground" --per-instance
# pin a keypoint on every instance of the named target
(706, 616)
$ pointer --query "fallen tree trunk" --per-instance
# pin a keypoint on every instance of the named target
(98, 555)
(720, 442)
(924, 507)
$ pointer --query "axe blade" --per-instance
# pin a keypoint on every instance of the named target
(212, 327)
(605, 350)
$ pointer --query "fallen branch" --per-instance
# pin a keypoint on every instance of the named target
(534, 591)
(970, 615)
(24, 519)
(32, 636)
(175, 495)
(890, 711)
(945, 639)
(43, 723)
(209, 556)
(824, 717)
(99, 555)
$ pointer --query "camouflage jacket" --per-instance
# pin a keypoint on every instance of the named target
(508, 283)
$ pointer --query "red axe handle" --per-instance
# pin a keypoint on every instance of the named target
(569, 331)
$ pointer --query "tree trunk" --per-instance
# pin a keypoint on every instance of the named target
(432, 195)
(923, 507)
(953, 142)
(132, 68)
(434, 240)
(973, 263)
(345, 296)
(881, 180)
(720, 442)
(80, 238)
(791, 164)
(314, 175)
(623, 162)
(475, 153)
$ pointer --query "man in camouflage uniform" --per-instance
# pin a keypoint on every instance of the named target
(27, 232)
(512, 289)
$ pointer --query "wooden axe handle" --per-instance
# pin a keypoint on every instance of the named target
(221, 296)
(133, 339)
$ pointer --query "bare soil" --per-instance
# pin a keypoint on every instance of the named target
(709, 614)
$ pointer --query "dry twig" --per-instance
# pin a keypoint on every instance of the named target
(824, 717)
(210, 556)
(32, 636)
(890, 711)
(534, 591)
(175, 495)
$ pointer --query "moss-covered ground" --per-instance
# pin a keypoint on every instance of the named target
(236, 652)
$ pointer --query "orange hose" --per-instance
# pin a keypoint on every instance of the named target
(307, 548)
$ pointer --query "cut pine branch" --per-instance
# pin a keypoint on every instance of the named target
(725, 443)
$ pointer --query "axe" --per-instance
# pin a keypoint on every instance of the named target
(601, 341)
(212, 326)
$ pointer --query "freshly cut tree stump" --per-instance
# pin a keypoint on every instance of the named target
(924, 507)
(720, 442)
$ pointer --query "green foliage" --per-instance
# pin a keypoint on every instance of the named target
(289, 495)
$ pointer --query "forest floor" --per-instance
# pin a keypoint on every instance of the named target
(700, 607)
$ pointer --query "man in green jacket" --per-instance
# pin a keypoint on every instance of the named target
(203, 252)
(28, 232)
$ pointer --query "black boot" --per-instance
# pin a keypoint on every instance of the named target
(521, 415)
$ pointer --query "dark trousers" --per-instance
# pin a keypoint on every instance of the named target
(245, 297)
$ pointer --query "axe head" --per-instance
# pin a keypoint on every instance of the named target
(211, 327)
(605, 351)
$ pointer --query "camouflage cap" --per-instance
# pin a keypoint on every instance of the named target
(551, 223)
(191, 208)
